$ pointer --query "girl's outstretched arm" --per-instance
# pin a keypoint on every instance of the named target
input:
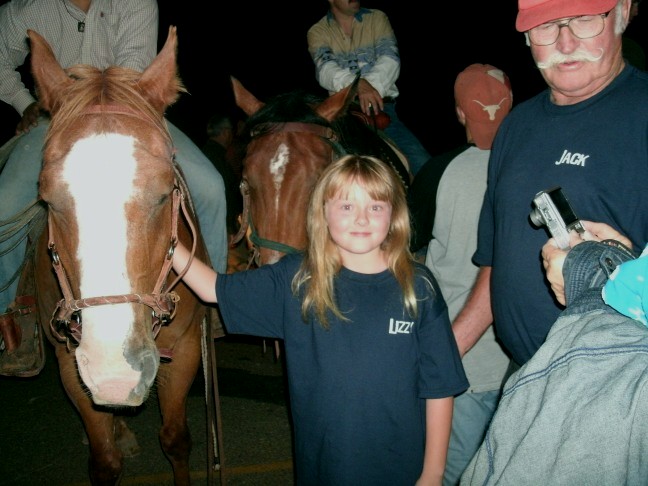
(199, 277)
(438, 418)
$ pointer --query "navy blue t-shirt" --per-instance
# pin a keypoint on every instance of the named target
(597, 151)
(358, 389)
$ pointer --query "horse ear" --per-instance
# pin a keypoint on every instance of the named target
(49, 76)
(160, 83)
(337, 104)
(244, 99)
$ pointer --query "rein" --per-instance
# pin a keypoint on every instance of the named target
(66, 319)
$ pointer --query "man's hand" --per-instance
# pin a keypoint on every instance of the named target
(553, 258)
(29, 119)
(369, 98)
(602, 231)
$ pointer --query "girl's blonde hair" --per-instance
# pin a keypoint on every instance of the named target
(322, 262)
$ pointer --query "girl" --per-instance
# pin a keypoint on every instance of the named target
(371, 360)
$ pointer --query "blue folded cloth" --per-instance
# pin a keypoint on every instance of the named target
(627, 288)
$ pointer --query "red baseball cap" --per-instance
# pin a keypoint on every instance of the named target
(484, 94)
(532, 13)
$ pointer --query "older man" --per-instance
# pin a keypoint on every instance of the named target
(586, 133)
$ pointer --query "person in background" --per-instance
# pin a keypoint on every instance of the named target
(587, 134)
(351, 41)
(448, 193)
(220, 135)
(100, 33)
(371, 361)
(577, 411)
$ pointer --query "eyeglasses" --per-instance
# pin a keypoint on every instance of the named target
(583, 27)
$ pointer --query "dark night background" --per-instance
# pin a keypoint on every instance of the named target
(263, 44)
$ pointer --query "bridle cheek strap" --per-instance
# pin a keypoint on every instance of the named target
(162, 302)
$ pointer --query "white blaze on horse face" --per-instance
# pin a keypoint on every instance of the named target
(103, 245)
(278, 165)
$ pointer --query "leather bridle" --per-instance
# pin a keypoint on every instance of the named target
(66, 318)
(325, 133)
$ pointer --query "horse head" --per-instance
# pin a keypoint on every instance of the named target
(110, 185)
(292, 140)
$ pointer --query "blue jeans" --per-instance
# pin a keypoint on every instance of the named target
(19, 186)
(405, 140)
(471, 416)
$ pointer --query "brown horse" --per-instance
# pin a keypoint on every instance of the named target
(116, 208)
(293, 137)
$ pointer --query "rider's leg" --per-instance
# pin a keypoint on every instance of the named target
(207, 193)
(19, 187)
(405, 140)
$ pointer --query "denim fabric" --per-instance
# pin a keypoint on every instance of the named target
(577, 412)
(405, 140)
(586, 269)
(471, 414)
(208, 194)
(626, 290)
(19, 186)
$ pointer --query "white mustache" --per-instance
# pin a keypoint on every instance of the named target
(579, 54)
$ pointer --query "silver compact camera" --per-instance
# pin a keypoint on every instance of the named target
(552, 209)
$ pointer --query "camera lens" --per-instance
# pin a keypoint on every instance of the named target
(537, 218)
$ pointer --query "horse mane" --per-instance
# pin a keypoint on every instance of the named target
(295, 106)
(298, 106)
(354, 136)
(114, 86)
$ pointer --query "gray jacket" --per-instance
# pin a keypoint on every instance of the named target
(577, 412)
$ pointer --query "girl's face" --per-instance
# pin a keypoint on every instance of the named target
(358, 225)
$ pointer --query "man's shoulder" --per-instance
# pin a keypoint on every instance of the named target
(526, 111)
(139, 3)
(373, 15)
(373, 11)
(21, 7)
(320, 25)
(23, 3)
(639, 77)
(27, 14)
(436, 165)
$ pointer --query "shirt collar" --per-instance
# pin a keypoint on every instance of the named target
(357, 16)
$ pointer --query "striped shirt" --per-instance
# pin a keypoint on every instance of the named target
(114, 32)
(371, 51)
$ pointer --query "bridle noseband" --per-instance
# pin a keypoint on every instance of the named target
(66, 319)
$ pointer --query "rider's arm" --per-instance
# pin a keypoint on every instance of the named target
(386, 69)
(137, 34)
(332, 68)
(13, 51)
(331, 74)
